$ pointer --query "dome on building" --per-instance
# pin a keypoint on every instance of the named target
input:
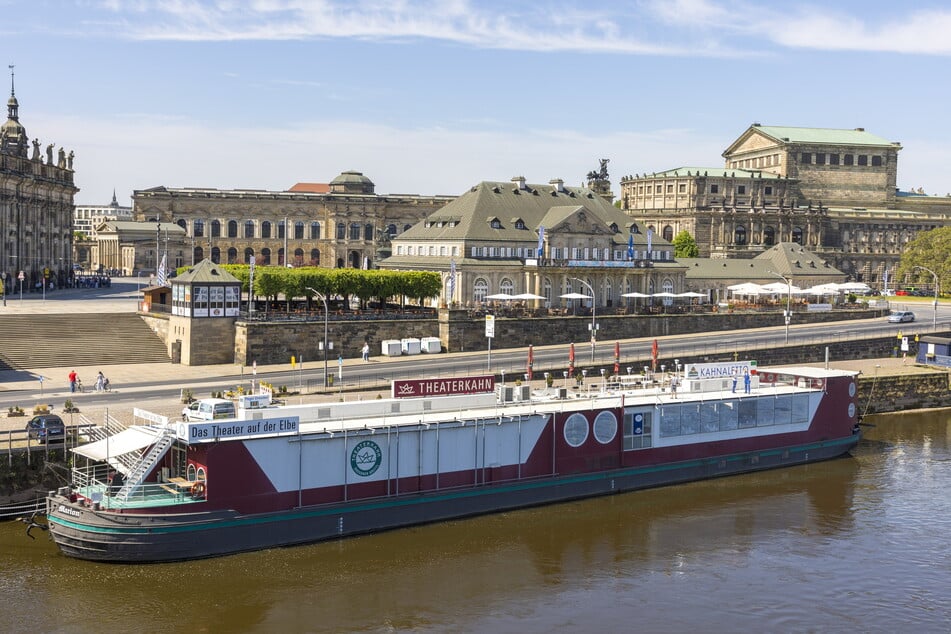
(351, 182)
(12, 133)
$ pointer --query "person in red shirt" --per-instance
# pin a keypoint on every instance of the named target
(72, 380)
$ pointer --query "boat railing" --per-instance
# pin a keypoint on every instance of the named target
(95, 484)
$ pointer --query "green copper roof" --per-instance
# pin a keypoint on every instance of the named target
(857, 136)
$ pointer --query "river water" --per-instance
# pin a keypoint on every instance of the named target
(859, 544)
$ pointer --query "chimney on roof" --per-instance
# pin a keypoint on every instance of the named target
(860, 129)
(557, 184)
(520, 181)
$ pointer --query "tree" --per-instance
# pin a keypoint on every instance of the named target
(931, 249)
(685, 246)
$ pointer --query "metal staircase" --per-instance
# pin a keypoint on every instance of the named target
(145, 465)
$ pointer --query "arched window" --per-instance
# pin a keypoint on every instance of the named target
(341, 231)
(198, 228)
(266, 229)
(797, 235)
(407, 227)
(480, 288)
(769, 236)
(339, 263)
(280, 230)
(739, 235)
(248, 228)
(668, 233)
(265, 259)
(216, 255)
(315, 257)
(546, 291)
(299, 230)
(280, 257)
(299, 254)
(315, 231)
(232, 256)
(367, 232)
(668, 287)
(215, 228)
(507, 286)
(355, 259)
(354, 230)
(391, 229)
(248, 254)
(198, 255)
(232, 228)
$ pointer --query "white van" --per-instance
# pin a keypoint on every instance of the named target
(211, 409)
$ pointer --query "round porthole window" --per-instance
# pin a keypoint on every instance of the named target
(852, 388)
(576, 430)
(851, 410)
(605, 427)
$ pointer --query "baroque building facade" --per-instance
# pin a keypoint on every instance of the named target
(540, 242)
(36, 207)
(832, 191)
(345, 224)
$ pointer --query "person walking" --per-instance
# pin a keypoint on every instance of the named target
(366, 352)
(746, 382)
(100, 382)
(734, 383)
(72, 380)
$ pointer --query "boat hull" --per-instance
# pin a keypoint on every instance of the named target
(106, 535)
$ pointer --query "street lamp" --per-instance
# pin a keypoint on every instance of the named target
(594, 323)
(788, 313)
(323, 298)
(935, 276)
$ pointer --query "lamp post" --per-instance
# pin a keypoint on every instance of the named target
(323, 298)
(594, 323)
(935, 276)
(788, 313)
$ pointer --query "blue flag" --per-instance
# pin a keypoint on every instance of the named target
(630, 246)
(452, 281)
(541, 241)
(650, 235)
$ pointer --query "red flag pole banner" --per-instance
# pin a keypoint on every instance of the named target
(617, 358)
(531, 359)
(654, 356)
(571, 361)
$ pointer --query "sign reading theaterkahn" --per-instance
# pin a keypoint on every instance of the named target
(443, 387)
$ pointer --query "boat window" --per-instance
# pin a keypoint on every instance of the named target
(728, 415)
(800, 408)
(690, 418)
(637, 429)
(709, 418)
(783, 410)
(747, 414)
(605, 427)
(191, 473)
(765, 411)
(201, 474)
(576, 430)
(670, 421)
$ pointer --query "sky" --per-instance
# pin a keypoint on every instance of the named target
(432, 97)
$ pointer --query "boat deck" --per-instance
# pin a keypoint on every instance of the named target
(147, 495)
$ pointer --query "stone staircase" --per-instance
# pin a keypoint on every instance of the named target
(78, 339)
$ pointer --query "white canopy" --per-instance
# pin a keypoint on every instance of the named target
(527, 296)
(635, 294)
(126, 441)
(663, 294)
(746, 288)
(854, 286)
(574, 296)
(691, 294)
(824, 289)
(781, 287)
(500, 296)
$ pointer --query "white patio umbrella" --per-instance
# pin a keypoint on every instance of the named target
(823, 289)
(691, 294)
(781, 287)
(635, 294)
(527, 296)
(854, 286)
(574, 296)
(500, 296)
(746, 288)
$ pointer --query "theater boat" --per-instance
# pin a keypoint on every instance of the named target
(436, 449)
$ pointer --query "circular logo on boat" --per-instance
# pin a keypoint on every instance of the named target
(366, 458)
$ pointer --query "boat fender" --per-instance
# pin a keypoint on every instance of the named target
(198, 490)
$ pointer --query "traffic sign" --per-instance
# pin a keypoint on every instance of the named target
(21, 276)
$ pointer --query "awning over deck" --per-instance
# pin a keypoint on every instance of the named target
(126, 441)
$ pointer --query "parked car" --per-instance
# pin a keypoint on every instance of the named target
(900, 316)
(901, 291)
(190, 409)
(211, 409)
(46, 428)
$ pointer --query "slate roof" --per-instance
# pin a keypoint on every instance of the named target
(470, 216)
(785, 258)
(825, 136)
(206, 272)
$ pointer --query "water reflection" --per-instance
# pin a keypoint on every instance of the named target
(793, 549)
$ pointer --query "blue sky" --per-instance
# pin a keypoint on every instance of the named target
(433, 97)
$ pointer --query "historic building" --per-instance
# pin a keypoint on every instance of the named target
(133, 248)
(543, 240)
(342, 224)
(86, 218)
(36, 206)
(831, 191)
